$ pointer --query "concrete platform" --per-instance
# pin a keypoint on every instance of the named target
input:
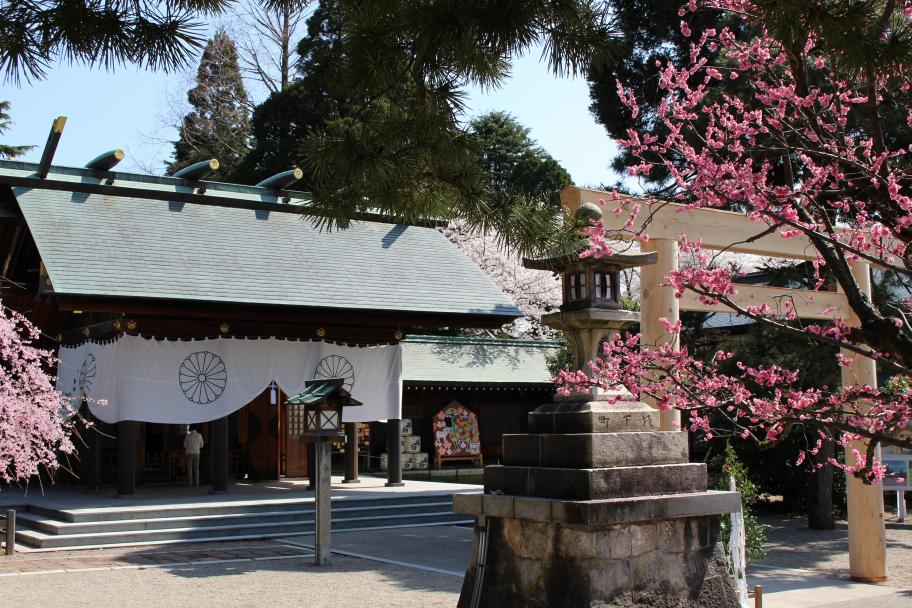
(75, 498)
(598, 512)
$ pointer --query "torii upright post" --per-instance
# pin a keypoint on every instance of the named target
(867, 537)
(656, 302)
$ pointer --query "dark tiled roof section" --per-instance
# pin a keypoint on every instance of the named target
(118, 246)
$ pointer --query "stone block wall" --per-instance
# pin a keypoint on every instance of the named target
(674, 563)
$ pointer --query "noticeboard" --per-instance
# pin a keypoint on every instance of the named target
(455, 430)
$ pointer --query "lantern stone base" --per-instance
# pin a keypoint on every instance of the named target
(668, 563)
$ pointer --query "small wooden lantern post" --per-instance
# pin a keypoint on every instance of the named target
(323, 401)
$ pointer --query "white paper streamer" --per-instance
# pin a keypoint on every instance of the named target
(737, 541)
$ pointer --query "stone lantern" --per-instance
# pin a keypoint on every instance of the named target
(595, 505)
(590, 312)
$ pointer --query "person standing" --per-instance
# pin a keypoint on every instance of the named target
(193, 443)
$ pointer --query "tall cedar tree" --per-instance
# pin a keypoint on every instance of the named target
(7, 151)
(155, 34)
(651, 32)
(218, 126)
(311, 100)
(513, 161)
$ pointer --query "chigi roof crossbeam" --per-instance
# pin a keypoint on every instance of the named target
(97, 178)
(185, 186)
(50, 148)
(106, 160)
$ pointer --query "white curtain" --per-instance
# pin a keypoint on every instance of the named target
(185, 382)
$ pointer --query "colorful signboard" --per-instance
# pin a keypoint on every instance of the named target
(456, 431)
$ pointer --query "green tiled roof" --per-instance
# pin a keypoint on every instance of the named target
(318, 390)
(439, 360)
(96, 244)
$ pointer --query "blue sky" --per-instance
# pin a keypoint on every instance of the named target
(129, 109)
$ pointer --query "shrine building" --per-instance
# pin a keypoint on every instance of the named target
(177, 301)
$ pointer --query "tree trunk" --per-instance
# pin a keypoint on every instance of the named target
(820, 491)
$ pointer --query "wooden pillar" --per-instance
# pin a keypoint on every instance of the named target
(393, 452)
(311, 466)
(657, 302)
(10, 541)
(219, 440)
(867, 540)
(126, 457)
(351, 453)
(95, 457)
(323, 521)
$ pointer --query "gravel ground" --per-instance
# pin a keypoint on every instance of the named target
(791, 544)
(280, 582)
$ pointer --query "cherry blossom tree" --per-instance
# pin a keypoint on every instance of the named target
(803, 152)
(35, 422)
(534, 292)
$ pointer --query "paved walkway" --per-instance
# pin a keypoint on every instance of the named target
(791, 544)
(24, 564)
(270, 574)
(394, 567)
(806, 568)
(442, 549)
(784, 588)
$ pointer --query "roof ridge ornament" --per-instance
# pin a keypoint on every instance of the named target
(282, 180)
(106, 160)
(47, 156)
(198, 171)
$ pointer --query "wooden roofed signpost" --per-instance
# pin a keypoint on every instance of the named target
(719, 230)
(323, 402)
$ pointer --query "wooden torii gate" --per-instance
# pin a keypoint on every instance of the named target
(736, 233)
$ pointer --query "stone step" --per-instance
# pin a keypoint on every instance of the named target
(595, 484)
(596, 450)
(224, 506)
(51, 525)
(218, 518)
(593, 417)
(41, 540)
